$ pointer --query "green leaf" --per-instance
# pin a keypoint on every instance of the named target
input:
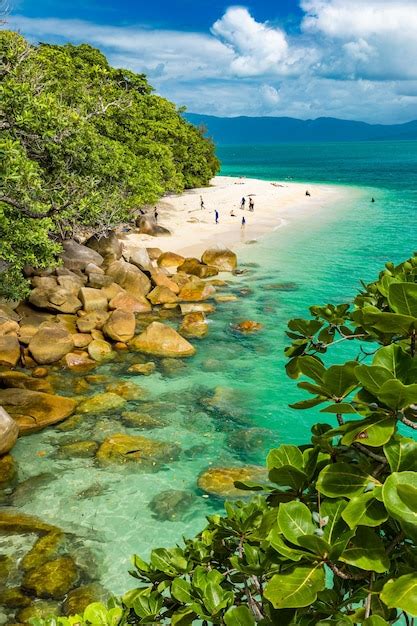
(375, 620)
(366, 551)
(402, 298)
(339, 407)
(389, 323)
(181, 590)
(396, 395)
(401, 594)
(314, 544)
(333, 509)
(169, 561)
(399, 495)
(372, 377)
(285, 455)
(401, 453)
(276, 541)
(391, 358)
(364, 510)
(340, 380)
(341, 479)
(288, 477)
(313, 368)
(294, 521)
(308, 404)
(239, 616)
(372, 431)
(183, 617)
(296, 587)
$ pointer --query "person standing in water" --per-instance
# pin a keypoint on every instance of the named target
(202, 203)
(243, 222)
(242, 203)
(251, 204)
(216, 216)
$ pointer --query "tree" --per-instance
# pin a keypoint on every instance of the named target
(83, 146)
(331, 537)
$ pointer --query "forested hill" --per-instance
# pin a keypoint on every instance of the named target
(84, 145)
(272, 130)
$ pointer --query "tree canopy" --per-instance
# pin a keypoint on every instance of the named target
(82, 144)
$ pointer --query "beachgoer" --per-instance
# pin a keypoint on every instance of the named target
(155, 214)
(243, 221)
(251, 204)
(232, 213)
(308, 193)
(242, 203)
(216, 216)
(373, 200)
(202, 203)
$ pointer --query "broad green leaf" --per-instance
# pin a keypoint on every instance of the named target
(169, 561)
(372, 377)
(308, 404)
(401, 594)
(333, 509)
(340, 380)
(401, 453)
(296, 587)
(288, 476)
(239, 616)
(399, 493)
(216, 598)
(372, 431)
(314, 544)
(341, 479)
(396, 395)
(366, 551)
(183, 617)
(339, 407)
(313, 368)
(181, 590)
(375, 620)
(402, 298)
(389, 323)
(391, 358)
(285, 455)
(364, 510)
(294, 520)
(277, 542)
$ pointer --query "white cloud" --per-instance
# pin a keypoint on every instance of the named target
(270, 95)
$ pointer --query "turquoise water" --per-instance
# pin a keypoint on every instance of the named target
(324, 258)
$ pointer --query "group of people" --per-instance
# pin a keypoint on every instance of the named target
(251, 208)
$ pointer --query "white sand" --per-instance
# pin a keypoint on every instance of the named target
(276, 203)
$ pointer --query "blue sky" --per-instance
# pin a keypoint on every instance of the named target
(304, 58)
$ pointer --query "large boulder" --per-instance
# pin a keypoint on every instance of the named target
(100, 350)
(31, 322)
(120, 326)
(130, 304)
(52, 579)
(120, 448)
(92, 321)
(77, 257)
(140, 257)
(58, 300)
(9, 350)
(162, 295)
(194, 325)
(34, 410)
(130, 277)
(93, 299)
(194, 267)
(148, 226)
(193, 307)
(162, 340)
(170, 260)
(224, 259)
(108, 246)
(9, 432)
(220, 481)
(71, 283)
(8, 326)
(12, 378)
(101, 403)
(160, 279)
(195, 291)
(50, 344)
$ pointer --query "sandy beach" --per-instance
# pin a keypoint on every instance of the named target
(275, 204)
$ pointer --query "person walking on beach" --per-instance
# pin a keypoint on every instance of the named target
(251, 205)
(155, 214)
(202, 203)
(216, 216)
(243, 222)
(242, 203)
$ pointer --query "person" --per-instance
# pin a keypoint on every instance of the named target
(242, 203)
(202, 203)
(251, 205)
(216, 216)
(308, 193)
(373, 200)
(155, 214)
(232, 213)
(243, 221)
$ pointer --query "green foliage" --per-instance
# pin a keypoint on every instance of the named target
(83, 144)
(332, 538)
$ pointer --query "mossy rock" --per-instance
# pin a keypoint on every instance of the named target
(171, 505)
(101, 403)
(8, 470)
(38, 609)
(127, 390)
(44, 549)
(120, 448)
(78, 599)
(6, 566)
(77, 449)
(141, 420)
(71, 423)
(53, 579)
(219, 481)
(14, 598)
(250, 440)
(14, 522)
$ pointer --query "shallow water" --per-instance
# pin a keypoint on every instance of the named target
(304, 263)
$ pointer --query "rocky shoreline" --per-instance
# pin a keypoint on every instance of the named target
(99, 306)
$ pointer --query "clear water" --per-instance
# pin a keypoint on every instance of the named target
(324, 257)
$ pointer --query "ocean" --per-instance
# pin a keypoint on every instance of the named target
(301, 264)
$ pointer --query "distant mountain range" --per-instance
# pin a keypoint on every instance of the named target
(272, 130)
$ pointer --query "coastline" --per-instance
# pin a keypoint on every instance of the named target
(276, 204)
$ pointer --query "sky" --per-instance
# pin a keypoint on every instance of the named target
(352, 59)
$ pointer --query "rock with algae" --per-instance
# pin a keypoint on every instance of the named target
(53, 579)
(219, 481)
(78, 599)
(120, 448)
(45, 548)
(171, 505)
(39, 609)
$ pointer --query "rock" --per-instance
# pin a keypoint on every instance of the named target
(19, 380)
(32, 322)
(33, 410)
(120, 326)
(154, 253)
(50, 344)
(172, 367)
(108, 246)
(40, 372)
(67, 322)
(112, 290)
(91, 321)
(9, 432)
(77, 449)
(126, 390)
(194, 267)
(120, 448)
(247, 326)
(92, 268)
(15, 523)
(81, 340)
(227, 402)
(9, 350)
(144, 369)
(194, 291)
(141, 421)
(46, 282)
(162, 295)
(40, 609)
(44, 550)
(219, 481)
(119, 345)
(71, 283)
(99, 281)
(7, 468)
(13, 597)
(101, 403)
(130, 304)
(171, 505)
(160, 279)
(212, 365)
(52, 579)
(93, 299)
(79, 361)
(250, 440)
(60, 300)
(130, 277)
(170, 260)
(77, 257)
(100, 350)
(224, 259)
(140, 258)
(226, 298)
(148, 226)
(193, 307)
(8, 327)
(78, 599)
(162, 340)
(281, 286)
(8, 312)
(194, 325)
(71, 423)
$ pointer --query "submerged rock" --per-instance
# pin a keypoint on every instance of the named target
(101, 403)
(16, 523)
(44, 550)
(77, 449)
(141, 420)
(78, 599)
(219, 481)
(53, 579)
(14, 598)
(40, 609)
(251, 440)
(222, 258)
(120, 448)
(25, 490)
(144, 369)
(281, 286)
(171, 505)
(33, 410)
(162, 340)
(127, 390)
(9, 431)
(194, 325)
(172, 367)
(247, 326)
(7, 470)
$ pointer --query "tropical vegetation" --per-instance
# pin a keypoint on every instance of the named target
(331, 536)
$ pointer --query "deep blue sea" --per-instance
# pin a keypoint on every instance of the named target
(324, 259)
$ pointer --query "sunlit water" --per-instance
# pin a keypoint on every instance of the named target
(315, 261)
